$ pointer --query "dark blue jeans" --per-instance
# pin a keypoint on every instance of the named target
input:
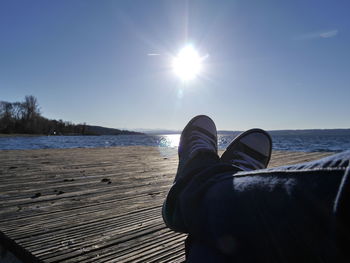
(296, 213)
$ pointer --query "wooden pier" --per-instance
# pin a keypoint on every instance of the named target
(93, 205)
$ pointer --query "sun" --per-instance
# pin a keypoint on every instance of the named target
(187, 64)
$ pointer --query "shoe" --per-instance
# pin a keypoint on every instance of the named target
(251, 150)
(198, 136)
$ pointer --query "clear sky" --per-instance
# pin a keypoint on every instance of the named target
(269, 64)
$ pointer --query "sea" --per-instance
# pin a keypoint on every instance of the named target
(286, 142)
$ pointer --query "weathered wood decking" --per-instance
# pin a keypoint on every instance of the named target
(93, 205)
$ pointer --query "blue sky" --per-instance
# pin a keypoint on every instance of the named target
(270, 64)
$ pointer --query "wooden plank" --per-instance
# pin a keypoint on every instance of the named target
(95, 205)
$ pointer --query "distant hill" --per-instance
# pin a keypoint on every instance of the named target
(99, 130)
(313, 132)
(333, 132)
(158, 131)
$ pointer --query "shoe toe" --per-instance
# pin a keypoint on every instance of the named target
(258, 141)
(254, 144)
(205, 123)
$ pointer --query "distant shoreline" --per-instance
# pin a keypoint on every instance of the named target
(4, 135)
(19, 135)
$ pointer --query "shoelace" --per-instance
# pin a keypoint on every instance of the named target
(245, 162)
(199, 140)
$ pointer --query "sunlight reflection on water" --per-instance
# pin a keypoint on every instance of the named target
(171, 140)
(168, 145)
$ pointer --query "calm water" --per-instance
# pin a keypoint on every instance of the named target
(306, 143)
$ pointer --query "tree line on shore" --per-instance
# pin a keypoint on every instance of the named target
(25, 118)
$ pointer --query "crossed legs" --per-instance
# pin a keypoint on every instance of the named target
(233, 213)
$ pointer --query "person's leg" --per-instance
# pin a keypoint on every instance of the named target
(251, 149)
(282, 214)
(198, 161)
(197, 152)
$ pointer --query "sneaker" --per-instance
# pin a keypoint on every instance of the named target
(251, 150)
(198, 136)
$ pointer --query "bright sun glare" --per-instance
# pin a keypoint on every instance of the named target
(187, 64)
